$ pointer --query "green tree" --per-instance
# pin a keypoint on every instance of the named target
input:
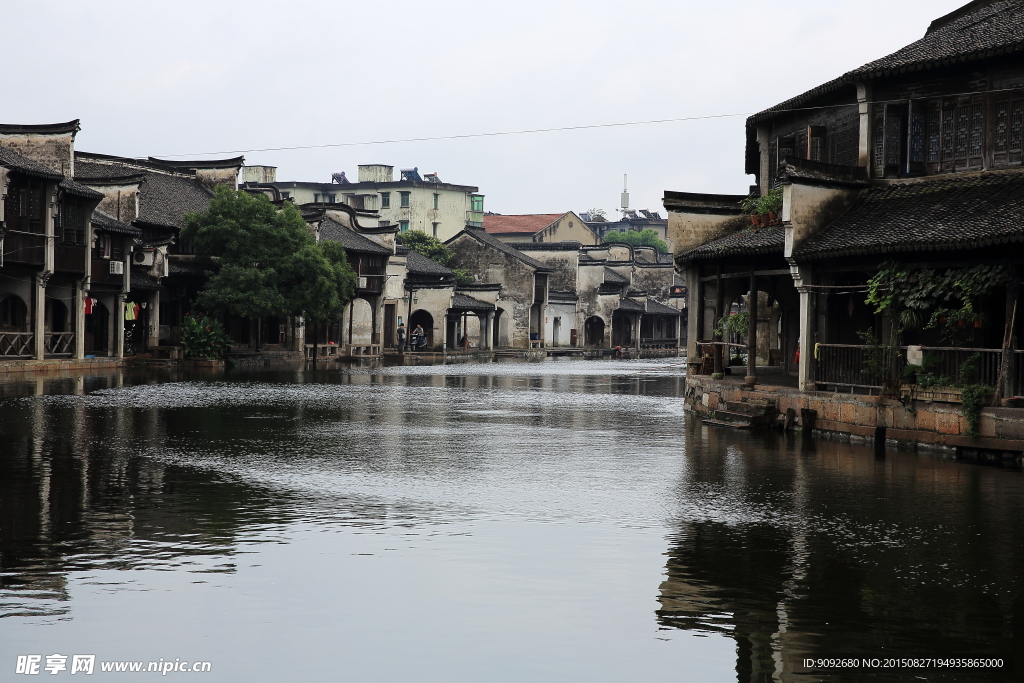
(638, 238)
(265, 261)
(435, 250)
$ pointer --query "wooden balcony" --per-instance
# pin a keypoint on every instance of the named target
(101, 273)
(25, 248)
(69, 258)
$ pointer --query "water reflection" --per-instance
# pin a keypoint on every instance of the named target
(529, 503)
(801, 549)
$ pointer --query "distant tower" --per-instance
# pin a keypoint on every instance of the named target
(625, 196)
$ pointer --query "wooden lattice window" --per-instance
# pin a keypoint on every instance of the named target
(846, 146)
(1007, 123)
(816, 143)
(959, 128)
(23, 207)
(878, 133)
(70, 221)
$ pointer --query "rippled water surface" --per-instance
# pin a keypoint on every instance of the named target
(555, 521)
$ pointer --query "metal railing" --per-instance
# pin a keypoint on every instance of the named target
(845, 365)
(14, 344)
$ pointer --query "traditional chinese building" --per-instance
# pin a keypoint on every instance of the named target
(912, 162)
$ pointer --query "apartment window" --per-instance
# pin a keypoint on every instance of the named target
(477, 202)
(405, 199)
(403, 226)
(286, 195)
(435, 225)
(330, 198)
(385, 200)
(383, 224)
(436, 197)
(116, 248)
(316, 198)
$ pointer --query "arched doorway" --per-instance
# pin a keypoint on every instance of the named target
(97, 330)
(424, 320)
(13, 314)
(593, 331)
(56, 316)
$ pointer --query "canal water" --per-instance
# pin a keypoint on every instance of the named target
(515, 521)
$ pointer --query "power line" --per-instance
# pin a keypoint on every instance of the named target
(770, 111)
(457, 137)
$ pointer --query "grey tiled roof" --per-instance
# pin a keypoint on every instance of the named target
(16, 162)
(955, 213)
(997, 28)
(746, 242)
(164, 199)
(418, 264)
(479, 234)
(144, 283)
(991, 29)
(468, 303)
(352, 241)
(92, 169)
(79, 190)
(614, 278)
(630, 305)
(110, 224)
(656, 308)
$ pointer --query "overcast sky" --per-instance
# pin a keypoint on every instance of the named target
(185, 77)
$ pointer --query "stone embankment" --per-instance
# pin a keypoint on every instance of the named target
(865, 419)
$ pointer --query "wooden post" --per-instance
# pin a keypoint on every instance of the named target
(1004, 386)
(719, 351)
(751, 379)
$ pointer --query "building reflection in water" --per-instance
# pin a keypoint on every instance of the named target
(801, 549)
(78, 492)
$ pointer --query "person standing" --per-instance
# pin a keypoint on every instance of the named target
(401, 338)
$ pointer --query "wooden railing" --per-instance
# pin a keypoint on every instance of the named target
(15, 344)
(60, 343)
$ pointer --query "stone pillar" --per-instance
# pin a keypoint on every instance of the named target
(751, 379)
(39, 315)
(78, 301)
(487, 331)
(118, 315)
(864, 142)
(807, 333)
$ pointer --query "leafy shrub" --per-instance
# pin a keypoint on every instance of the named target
(203, 337)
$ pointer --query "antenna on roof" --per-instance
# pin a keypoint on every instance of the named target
(625, 196)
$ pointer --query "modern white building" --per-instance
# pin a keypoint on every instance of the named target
(413, 202)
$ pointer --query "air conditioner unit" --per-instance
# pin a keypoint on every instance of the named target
(142, 258)
(361, 284)
(117, 267)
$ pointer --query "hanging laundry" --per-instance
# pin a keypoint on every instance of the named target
(130, 310)
(89, 303)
